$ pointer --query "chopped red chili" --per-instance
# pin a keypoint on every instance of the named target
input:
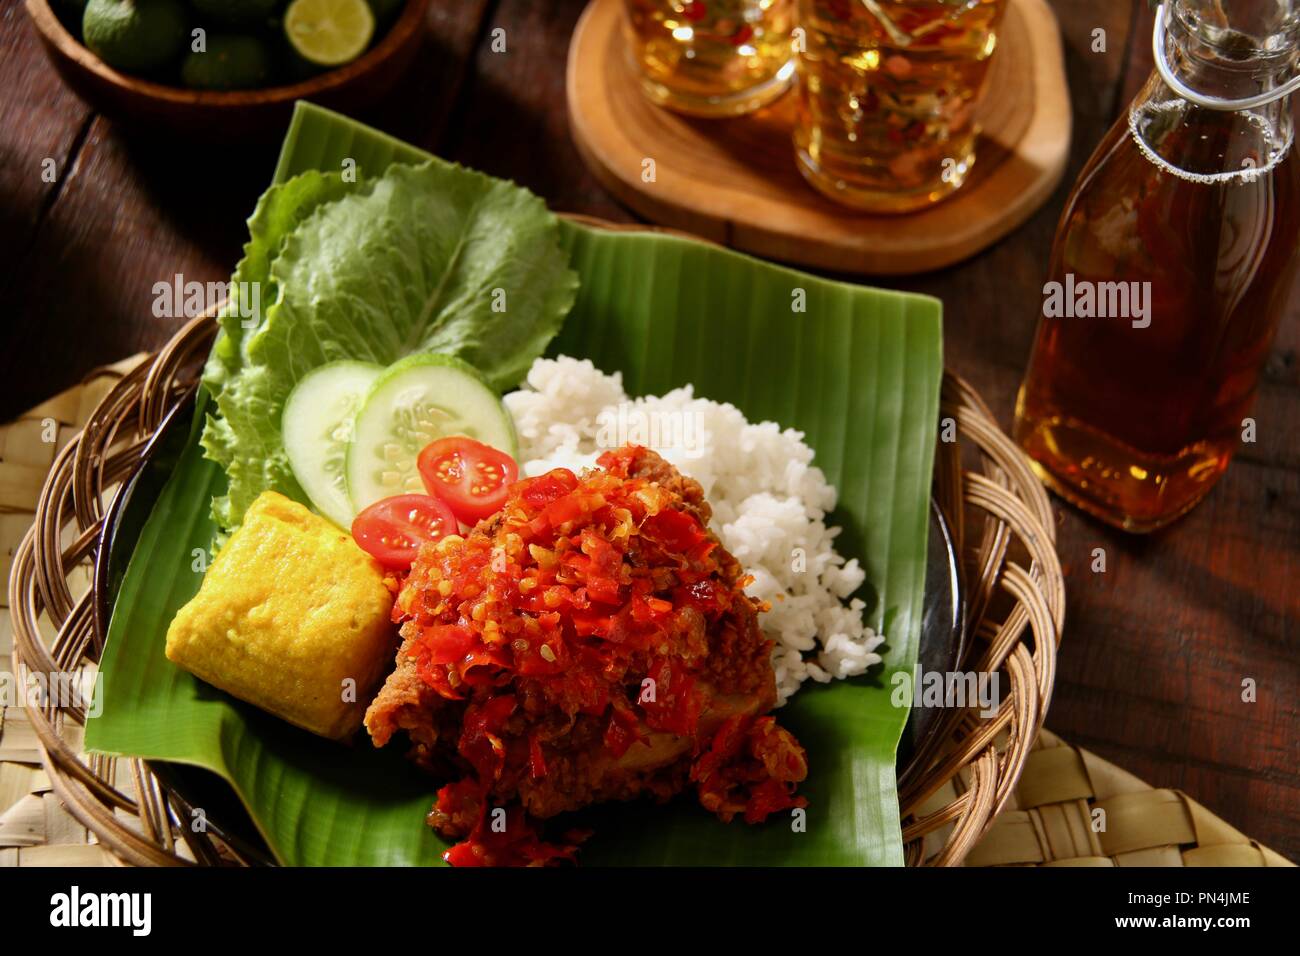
(590, 641)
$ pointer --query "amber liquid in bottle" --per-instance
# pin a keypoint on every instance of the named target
(1132, 421)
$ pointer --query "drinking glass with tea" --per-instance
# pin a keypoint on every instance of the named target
(1172, 264)
(887, 97)
(711, 58)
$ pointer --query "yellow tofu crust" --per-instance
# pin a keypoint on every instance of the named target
(290, 611)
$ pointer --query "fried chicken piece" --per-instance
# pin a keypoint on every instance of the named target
(590, 642)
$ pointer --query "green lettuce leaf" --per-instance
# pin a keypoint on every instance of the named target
(278, 212)
(427, 258)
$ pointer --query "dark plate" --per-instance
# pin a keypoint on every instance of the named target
(942, 627)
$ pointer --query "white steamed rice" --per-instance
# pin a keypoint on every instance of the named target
(769, 502)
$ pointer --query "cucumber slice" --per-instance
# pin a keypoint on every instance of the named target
(317, 429)
(418, 400)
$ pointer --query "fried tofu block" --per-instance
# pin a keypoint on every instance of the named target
(290, 611)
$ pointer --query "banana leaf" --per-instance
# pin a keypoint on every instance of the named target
(858, 371)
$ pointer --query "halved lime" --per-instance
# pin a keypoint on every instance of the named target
(329, 32)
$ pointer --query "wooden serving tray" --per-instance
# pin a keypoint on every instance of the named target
(734, 181)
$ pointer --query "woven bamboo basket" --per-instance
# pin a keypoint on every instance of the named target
(960, 778)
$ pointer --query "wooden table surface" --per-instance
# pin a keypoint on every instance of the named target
(1155, 649)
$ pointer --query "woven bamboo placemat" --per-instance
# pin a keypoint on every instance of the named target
(1070, 808)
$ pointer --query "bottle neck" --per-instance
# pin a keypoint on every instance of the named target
(1241, 29)
(1233, 50)
(1250, 54)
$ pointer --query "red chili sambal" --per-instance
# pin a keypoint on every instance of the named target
(591, 641)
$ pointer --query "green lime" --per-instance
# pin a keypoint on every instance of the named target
(230, 62)
(135, 35)
(239, 13)
(329, 32)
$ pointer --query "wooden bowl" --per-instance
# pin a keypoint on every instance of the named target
(228, 116)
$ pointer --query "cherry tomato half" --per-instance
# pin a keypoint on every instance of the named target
(469, 476)
(392, 529)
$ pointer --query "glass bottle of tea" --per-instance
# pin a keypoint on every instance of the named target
(1173, 262)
